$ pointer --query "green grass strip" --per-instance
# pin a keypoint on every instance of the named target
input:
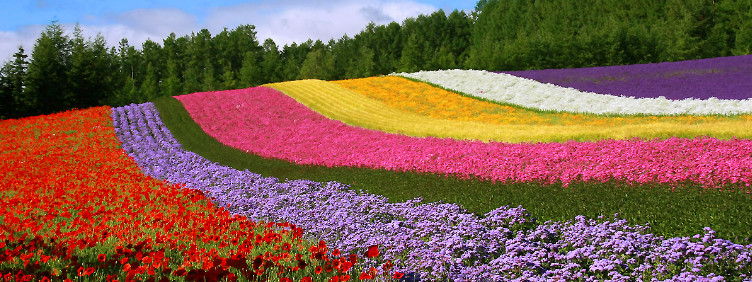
(683, 212)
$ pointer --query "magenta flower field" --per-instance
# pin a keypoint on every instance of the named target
(268, 123)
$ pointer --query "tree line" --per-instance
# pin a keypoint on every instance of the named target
(66, 71)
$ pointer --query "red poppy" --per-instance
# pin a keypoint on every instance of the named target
(285, 279)
(102, 257)
(89, 271)
(345, 266)
(365, 276)
(307, 279)
(344, 277)
(318, 270)
(334, 279)
(398, 275)
(373, 251)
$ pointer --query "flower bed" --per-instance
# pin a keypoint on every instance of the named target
(74, 206)
(339, 103)
(434, 102)
(438, 240)
(722, 78)
(270, 124)
(529, 93)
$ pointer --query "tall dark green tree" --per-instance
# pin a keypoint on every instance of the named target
(46, 81)
(12, 80)
(91, 72)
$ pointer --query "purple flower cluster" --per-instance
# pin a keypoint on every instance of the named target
(439, 240)
(723, 78)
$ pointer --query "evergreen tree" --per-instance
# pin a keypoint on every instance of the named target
(128, 59)
(91, 72)
(150, 86)
(46, 80)
(172, 85)
(271, 64)
(13, 76)
(319, 64)
(411, 60)
(251, 73)
(362, 65)
(228, 77)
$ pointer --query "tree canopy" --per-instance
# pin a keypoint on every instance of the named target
(65, 71)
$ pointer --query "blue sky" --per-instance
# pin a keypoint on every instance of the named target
(285, 21)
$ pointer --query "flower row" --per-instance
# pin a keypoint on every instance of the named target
(74, 206)
(506, 88)
(439, 240)
(723, 78)
(438, 103)
(268, 123)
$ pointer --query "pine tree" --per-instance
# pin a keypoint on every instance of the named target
(250, 72)
(13, 76)
(271, 64)
(411, 60)
(46, 80)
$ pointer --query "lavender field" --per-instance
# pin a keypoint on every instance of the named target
(722, 78)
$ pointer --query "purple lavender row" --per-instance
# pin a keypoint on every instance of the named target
(723, 78)
(438, 240)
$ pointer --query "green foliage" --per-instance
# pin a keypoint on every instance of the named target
(12, 77)
(318, 64)
(497, 35)
(46, 76)
(681, 211)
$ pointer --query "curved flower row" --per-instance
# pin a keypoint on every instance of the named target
(74, 206)
(723, 78)
(439, 240)
(438, 103)
(529, 93)
(265, 122)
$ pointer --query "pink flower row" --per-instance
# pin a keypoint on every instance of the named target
(266, 122)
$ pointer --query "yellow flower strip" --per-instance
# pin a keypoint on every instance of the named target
(435, 102)
(339, 103)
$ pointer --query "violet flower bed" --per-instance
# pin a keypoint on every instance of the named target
(268, 123)
(437, 240)
(725, 78)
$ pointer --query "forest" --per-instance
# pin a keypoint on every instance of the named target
(66, 71)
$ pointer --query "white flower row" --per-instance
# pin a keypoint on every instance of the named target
(529, 93)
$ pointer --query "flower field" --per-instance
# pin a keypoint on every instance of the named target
(529, 93)
(438, 103)
(722, 78)
(339, 103)
(474, 176)
(284, 129)
(440, 240)
(75, 207)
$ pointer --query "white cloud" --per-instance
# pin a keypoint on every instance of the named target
(158, 22)
(285, 21)
(297, 21)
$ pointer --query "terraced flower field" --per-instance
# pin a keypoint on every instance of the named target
(473, 177)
